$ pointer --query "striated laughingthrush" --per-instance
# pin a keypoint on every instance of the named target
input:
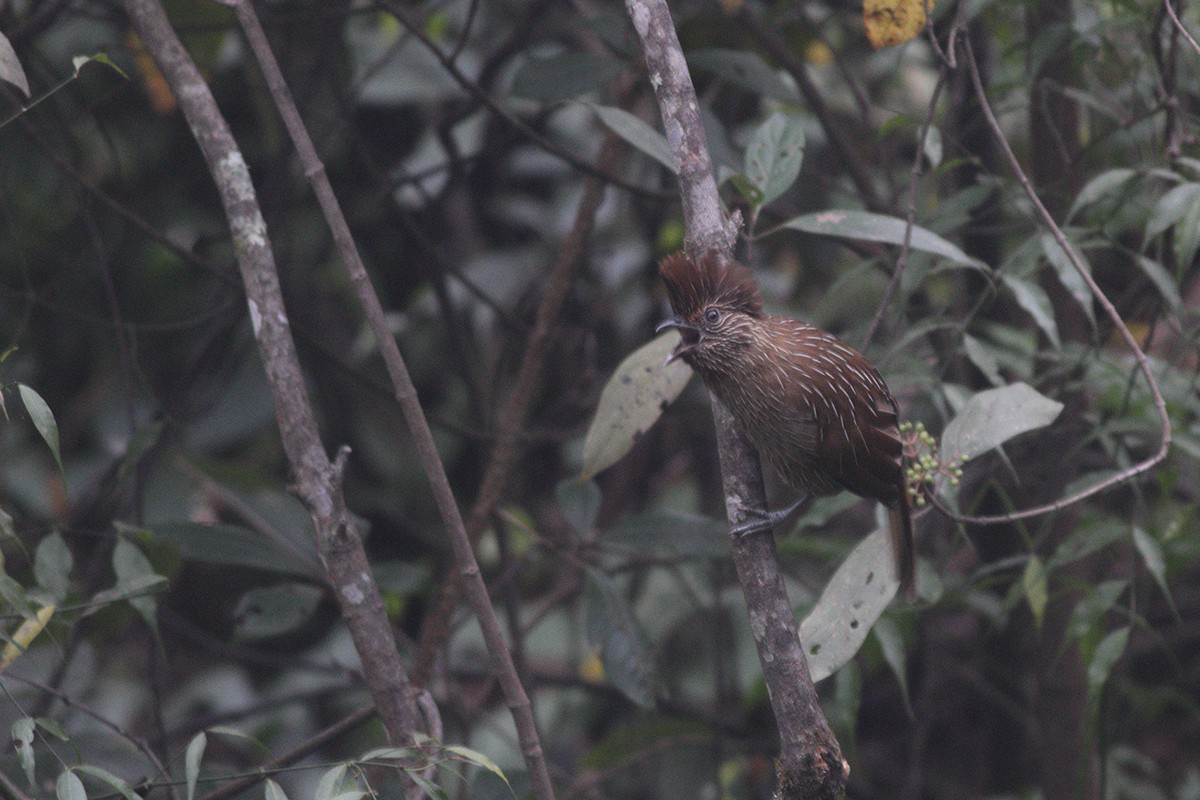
(814, 408)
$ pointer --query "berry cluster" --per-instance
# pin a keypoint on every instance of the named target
(926, 469)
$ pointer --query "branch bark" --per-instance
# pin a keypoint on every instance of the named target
(810, 763)
(318, 480)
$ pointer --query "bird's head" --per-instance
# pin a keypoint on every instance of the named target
(716, 304)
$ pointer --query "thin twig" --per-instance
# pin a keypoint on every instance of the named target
(1142, 362)
(1179, 25)
(410, 404)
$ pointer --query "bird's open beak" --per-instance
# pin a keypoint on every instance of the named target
(689, 336)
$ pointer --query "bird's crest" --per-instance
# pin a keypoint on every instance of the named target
(694, 283)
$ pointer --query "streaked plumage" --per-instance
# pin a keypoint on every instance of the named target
(817, 411)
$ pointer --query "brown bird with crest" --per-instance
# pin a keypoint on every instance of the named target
(813, 407)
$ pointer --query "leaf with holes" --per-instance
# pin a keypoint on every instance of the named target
(857, 594)
(633, 400)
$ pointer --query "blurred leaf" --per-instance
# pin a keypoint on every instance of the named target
(893, 22)
(22, 736)
(191, 762)
(273, 610)
(1099, 186)
(580, 503)
(52, 564)
(857, 594)
(78, 62)
(1104, 658)
(14, 594)
(627, 657)
(231, 545)
(6, 525)
(637, 133)
(401, 577)
(1171, 208)
(331, 783)
(1151, 552)
(932, 146)
(24, 635)
(891, 644)
(679, 534)
(634, 740)
(774, 156)
(130, 566)
(43, 420)
(564, 76)
(1187, 232)
(745, 69)
(273, 791)
(432, 789)
(981, 356)
(1094, 604)
(10, 66)
(477, 758)
(1034, 583)
(69, 787)
(103, 775)
(1161, 279)
(1036, 302)
(994, 416)
(126, 590)
(871, 227)
(1068, 275)
(633, 400)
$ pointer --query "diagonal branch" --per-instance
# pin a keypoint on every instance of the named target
(810, 763)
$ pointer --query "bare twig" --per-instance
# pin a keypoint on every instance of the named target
(1175, 19)
(410, 404)
(318, 481)
(810, 763)
(1139, 356)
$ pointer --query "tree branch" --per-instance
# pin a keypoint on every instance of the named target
(810, 763)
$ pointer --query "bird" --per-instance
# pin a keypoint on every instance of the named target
(815, 408)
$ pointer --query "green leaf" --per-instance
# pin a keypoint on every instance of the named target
(674, 533)
(981, 356)
(10, 66)
(43, 420)
(52, 564)
(78, 63)
(1099, 186)
(932, 146)
(994, 416)
(122, 788)
(891, 644)
(130, 566)
(191, 762)
(274, 610)
(564, 76)
(633, 400)
(1161, 279)
(580, 503)
(1034, 583)
(634, 739)
(1104, 658)
(774, 155)
(22, 736)
(1187, 232)
(69, 787)
(231, 545)
(872, 227)
(1036, 302)
(627, 658)
(1171, 208)
(330, 784)
(637, 133)
(477, 758)
(273, 791)
(1092, 607)
(1068, 275)
(745, 69)
(1151, 552)
(857, 594)
(127, 590)
(6, 525)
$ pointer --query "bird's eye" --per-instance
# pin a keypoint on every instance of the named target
(712, 316)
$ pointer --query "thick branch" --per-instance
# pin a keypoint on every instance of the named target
(318, 481)
(810, 762)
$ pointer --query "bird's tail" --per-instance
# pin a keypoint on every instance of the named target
(903, 544)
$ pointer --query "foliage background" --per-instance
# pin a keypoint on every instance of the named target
(1056, 657)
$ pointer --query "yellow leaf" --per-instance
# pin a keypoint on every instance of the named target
(892, 22)
(25, 634)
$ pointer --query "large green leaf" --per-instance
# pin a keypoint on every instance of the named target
(745, 69)
(857, 594)
(633, 130)
(627, 658)
(10, 66)
(273, 610)
(1036, 302)
(564, 76)
(678, 534)
(633, 400)
(871, 227)
(230, 544)
(773, 157)
(994, 416)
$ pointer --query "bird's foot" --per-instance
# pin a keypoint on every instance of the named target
(761, 519)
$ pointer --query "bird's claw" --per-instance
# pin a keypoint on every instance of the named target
(765, 519)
